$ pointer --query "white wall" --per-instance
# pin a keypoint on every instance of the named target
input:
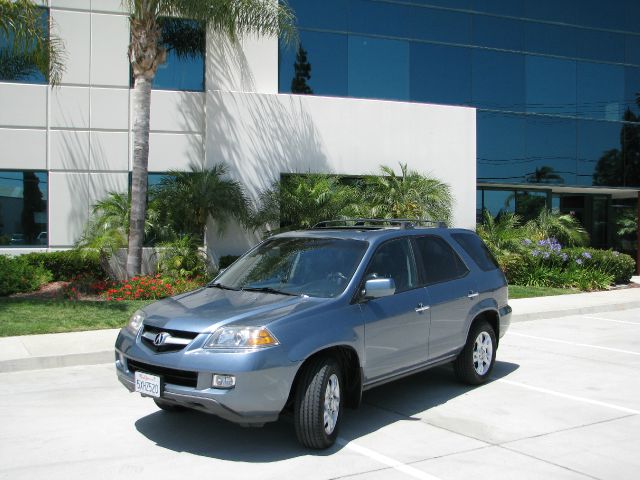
(261, 136)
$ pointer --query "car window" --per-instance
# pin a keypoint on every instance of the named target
(477, 250)
(394, 260)
(439, 261)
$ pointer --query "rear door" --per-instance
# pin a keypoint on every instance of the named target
(452, 293)
(396, 328)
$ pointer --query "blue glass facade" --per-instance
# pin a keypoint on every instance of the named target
(555, 82)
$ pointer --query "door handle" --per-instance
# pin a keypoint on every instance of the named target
(472, 294)
(422, 308)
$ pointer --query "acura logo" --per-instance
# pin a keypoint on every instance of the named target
(161, 338)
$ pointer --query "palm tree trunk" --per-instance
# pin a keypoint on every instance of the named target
(142, 108)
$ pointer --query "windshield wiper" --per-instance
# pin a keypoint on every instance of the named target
(269, 290)
(223, 287)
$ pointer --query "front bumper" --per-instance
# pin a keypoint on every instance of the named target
(263, 378)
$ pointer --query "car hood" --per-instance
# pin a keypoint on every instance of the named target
(206, 309)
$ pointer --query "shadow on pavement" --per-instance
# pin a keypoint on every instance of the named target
(209, 436)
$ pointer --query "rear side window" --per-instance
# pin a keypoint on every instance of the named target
(440, 262)
(476, 250)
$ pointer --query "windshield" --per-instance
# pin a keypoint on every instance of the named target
(318, 267)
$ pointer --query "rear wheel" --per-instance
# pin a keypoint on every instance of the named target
(318, 404)
(168, 407)
(476, 360)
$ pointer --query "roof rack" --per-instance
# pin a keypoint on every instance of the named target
(379, 223)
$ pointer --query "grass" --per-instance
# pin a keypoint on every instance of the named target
(29, 316)
(517, 291)
(26, 317)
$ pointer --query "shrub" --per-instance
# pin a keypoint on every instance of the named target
(618, 265)
(151, 287)
(66, 265)
(17, 275)
(181, 259)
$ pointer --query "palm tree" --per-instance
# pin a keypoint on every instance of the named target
(29, 42)
(408, 195)
(301, 201)
(565, 228)
(185, 200)
(232, 18)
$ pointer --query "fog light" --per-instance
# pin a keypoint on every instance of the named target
(223, 381)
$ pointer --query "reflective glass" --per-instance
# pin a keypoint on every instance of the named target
(599, 156)
(632, 49)
(598, 45)
(378, 68)
(600, 91)
(632, 14)
(440, 74)
(550, 39)
(599, 13)
(498, 80)
(440, 26)
(328, 14)
(501, 147)
(501, 7)
(499, 201)
(631, 93)
(551, 150)
(631, 137)
(553, 10)
(23, 209)
(529, 204)
(551, 85)
(19, 67)
(185, 43)
(327, 56)
(464, 4)
(495, 32)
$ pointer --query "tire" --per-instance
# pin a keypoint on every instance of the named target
(476, 360)
(319, 404)
(168, 407)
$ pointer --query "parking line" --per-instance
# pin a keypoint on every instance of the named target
(391, 462)
(612, 320)
(570, 397)
(555, 340)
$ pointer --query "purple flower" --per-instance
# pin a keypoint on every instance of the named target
(586, 255)
(535, 253)
(526, 241)
(578, 261)
(564, 257)
(546, 254)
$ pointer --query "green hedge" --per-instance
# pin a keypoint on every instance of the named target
(68, 264)
(620, 265)
(17, 275)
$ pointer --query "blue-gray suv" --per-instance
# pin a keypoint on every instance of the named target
(308, 320)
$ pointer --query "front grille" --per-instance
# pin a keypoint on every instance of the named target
(184, 378)
(177, 334)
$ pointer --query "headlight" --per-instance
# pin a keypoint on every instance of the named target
(241, 337)
(135, 322)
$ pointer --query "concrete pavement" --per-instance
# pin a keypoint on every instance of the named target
(32, 352)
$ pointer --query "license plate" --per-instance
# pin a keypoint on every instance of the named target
(147, 384)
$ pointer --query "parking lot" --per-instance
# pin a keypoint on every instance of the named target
(564, 403)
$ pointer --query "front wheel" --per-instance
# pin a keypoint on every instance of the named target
(476, 360)
(318, 404)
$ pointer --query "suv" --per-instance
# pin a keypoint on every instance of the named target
(308, 320)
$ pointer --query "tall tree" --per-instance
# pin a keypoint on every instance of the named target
(302, 69)
(28, 43)
(233, 19)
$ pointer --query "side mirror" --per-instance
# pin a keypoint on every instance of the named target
(379, 287)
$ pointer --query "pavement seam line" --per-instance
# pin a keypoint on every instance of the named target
(563, 467)
(612, 320)
(391, 462)
(587, 345)
(570, 397)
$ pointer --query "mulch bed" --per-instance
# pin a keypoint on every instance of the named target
(53, 291)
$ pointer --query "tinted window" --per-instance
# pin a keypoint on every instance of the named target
(378, 68)
(439, 261)
(440, 74)
(498, 32)
(550, 39)
(501, 147)
(23, 209)
(600, 91)
(327, 58)
(498, 80)
(599, 154)
(19, 67)
(329, 14)
(551, 150)
(551, 85)
(477, 250)
(394, 260)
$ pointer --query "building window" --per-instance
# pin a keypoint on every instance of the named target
(185, 42)
(23, 209)
(21, 66)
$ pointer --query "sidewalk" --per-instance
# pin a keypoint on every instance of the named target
(32, 352)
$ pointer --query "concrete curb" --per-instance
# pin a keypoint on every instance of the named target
(56, 361)
(527, 317)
